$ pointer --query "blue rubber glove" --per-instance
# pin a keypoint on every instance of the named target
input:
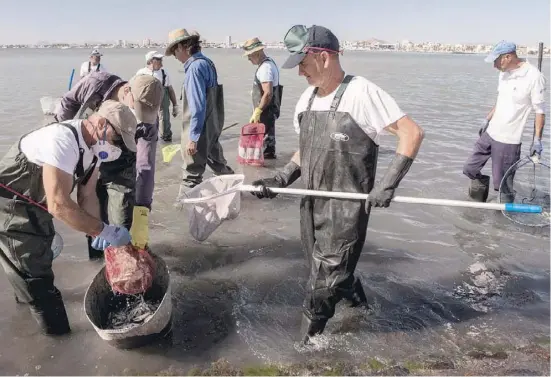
(536, 147)
(111, 235)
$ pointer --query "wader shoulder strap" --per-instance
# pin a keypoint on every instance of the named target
(82, 175)
(267, 59)
(338, 95)
(90, 67)
(210, 63)
(340, 92)
(164, 76)
(311, 100)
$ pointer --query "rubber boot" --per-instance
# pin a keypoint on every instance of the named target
(49, 312)
(479, 189)
(358, 297)
(310, 328)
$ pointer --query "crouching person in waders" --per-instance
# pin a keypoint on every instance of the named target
(125, 186)
(37, 177)
(339, 119)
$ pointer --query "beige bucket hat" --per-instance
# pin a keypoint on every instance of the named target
(176, 36)
(252, 45)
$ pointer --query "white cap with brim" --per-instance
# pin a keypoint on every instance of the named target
(153, 55)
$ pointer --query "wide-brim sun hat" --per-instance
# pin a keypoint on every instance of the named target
(176, 36)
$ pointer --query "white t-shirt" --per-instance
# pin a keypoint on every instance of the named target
(267, 72)
(371, 107)
(519, 92)
(56, 145)
(84, 68)
(157, 74)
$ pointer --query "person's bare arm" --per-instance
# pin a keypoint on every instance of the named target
(57, 185)
(538, 124)
(410, 136)
(267, 88)
(491, 113)
(87, 198)
(296, 158)
(172, 96)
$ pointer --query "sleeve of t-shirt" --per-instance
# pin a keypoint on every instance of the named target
(61, 151)
(301, 106)
(380, 109)
(265, 73)
(167, 80)
(84, 69)
(538, 94)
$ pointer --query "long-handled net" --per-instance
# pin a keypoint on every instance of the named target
(218, 199)
(527, 182)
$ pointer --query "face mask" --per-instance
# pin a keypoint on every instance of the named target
(105, 151)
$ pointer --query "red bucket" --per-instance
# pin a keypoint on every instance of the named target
(251, 144)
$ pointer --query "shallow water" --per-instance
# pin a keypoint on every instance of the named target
(442, 281)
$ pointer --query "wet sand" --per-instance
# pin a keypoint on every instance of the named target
(454, 291)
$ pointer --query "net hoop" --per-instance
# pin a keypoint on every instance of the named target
(534, 161)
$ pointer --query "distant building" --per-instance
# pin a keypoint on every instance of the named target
(228, 41)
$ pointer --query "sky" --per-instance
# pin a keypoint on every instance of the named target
(445, 21)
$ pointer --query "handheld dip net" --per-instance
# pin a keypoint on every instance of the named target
(218, 199)
(527, 183)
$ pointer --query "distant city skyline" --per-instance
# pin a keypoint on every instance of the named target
(442, 21)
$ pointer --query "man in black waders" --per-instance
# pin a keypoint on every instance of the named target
(339, 119)
(37, 177)
(266, 93)
(203, 110)
(125, 186)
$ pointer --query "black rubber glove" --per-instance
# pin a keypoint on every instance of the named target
(283, 178)
(383, 191)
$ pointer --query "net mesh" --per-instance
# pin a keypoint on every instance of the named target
(49, 105)
(210, 203)
(129, 270)
(527, 182)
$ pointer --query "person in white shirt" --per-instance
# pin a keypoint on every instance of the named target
(339, 119)
(93, 64)
(266, 93)
(521, 89)
(37, 177)
(154, 67)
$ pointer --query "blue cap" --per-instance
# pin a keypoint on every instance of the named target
(499, 49)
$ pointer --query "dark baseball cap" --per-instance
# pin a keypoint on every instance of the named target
(301, 39)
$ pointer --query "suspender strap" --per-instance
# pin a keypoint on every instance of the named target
(338, 95)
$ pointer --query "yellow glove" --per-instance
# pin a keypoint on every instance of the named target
(140, 227)
(255, 118)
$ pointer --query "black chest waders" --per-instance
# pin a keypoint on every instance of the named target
(336, 155)
(26, 235)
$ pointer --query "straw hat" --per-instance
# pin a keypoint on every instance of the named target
(177, 36)
(252, 45)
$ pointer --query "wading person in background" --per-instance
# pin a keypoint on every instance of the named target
(42, 169)
(154, 62)
(266, 93)
(521, 89)
(203, 109)
(339, 119)
(125, 186)
(93, 64)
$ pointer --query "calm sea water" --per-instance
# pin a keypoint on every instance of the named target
(442, 279)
